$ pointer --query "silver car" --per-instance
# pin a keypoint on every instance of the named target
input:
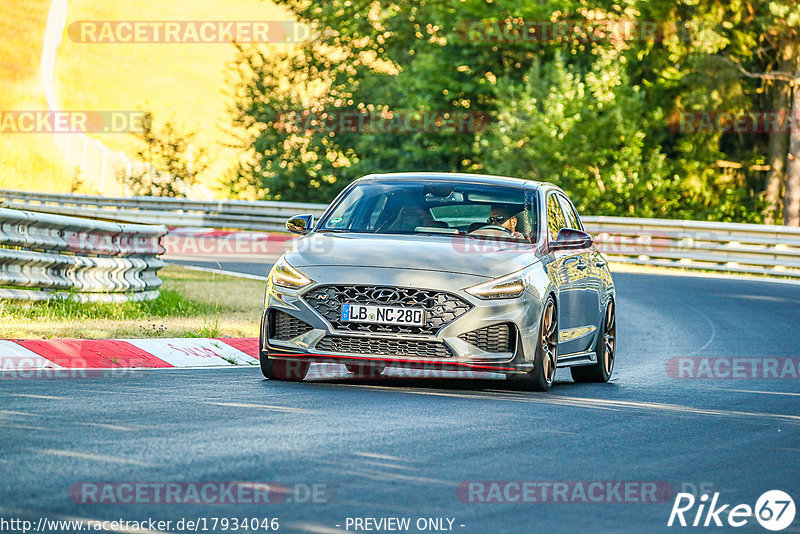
(442, 271)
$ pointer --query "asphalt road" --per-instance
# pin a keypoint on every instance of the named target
(245, 264)
(401, 448)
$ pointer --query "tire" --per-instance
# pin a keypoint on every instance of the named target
(545, 362)
(364, 370)
(288, 370)
(605, 347)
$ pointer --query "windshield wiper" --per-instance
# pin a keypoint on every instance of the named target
(499, 239)
(429, 233)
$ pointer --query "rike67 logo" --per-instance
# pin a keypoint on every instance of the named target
(774, 510)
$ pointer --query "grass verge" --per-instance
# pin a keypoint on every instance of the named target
(191, 304)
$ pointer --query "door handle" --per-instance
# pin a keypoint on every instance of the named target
(600, 263)
(581, 265)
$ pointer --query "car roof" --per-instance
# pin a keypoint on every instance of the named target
(457, 176)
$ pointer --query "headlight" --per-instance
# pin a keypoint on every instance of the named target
(508, 286)
(284, 275)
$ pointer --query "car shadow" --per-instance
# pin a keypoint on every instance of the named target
(456, 383)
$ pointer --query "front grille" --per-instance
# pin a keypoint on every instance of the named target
(284, 326)
(387, 347)
(495, 338)
(441, 308)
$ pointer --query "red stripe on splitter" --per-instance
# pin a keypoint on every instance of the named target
(248, 345)
(93, 353)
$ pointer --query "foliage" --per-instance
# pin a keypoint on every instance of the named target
(548, 130)
(593, 114)
(171, 163)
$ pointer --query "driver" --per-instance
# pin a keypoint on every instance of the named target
(502, 216)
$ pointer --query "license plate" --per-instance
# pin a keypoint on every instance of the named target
(368, 313)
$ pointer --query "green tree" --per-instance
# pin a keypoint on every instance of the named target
(584, 132)
(701, 68)
(369, 57)
(169, 163)
(601, 106)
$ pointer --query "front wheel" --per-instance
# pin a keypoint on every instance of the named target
(605, 348)
(289, 370)
(540, 378)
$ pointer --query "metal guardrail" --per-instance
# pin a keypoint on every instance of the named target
(731, 247)
(81, 258)
(239, 214)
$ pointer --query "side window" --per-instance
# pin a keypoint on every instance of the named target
(569, 212)
(555, 217)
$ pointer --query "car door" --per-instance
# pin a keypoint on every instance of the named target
(587, 288)
(566, 271)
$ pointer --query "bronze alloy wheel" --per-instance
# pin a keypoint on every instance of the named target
(610, 338)
(605, 348)
(545, 361)
(549, 342)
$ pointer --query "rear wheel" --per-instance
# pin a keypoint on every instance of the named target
(605, 348)
(290, 370)
(540, 378)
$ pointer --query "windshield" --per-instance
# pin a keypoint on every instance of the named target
(449, 208)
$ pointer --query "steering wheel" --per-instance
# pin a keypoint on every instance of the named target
(493, 227)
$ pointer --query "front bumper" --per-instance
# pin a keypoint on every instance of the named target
(453, 345)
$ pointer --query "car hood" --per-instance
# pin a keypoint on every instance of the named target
(452, 254)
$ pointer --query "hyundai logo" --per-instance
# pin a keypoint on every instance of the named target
(385, 295)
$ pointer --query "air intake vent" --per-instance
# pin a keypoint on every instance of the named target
(386, 347)
(284, 326)
(495, 338)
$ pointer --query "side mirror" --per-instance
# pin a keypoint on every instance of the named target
(569, 238)
(300, 224)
